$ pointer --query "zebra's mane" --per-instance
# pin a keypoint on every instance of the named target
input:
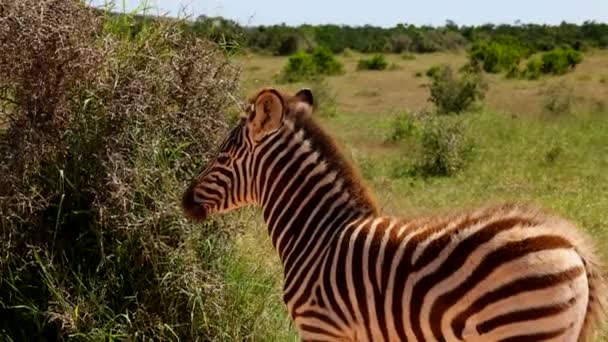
(336, 160)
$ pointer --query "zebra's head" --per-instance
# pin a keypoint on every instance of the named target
(228, 182)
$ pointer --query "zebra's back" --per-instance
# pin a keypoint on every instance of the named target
(498, 274)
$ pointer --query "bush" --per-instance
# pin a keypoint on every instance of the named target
(105, 130)
(403, 126)
(308, 66)
(400, 42)
(451, 93)
(533, 70)
(495, 57)
(445, 148)
(559, 98)
(287, 45)
(560, 61)
(377, 62)
(433, 71)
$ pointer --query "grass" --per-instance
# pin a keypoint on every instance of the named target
(125, 265)
(400, 89)
(521, 153)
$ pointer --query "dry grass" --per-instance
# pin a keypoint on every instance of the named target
(401, 90)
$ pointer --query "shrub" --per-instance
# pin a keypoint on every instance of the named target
(559, 98)
(377, 62)
(495, 57)
(433, 71)
(403, 126)
(307, 66)
(287, 45)
(532, 70)
(560, 61)
(325, 62)
(401, 42)
(445, 148)
(97, 149)
(300, 66)
(451, 93)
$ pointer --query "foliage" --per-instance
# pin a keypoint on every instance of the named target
(533, 69)
(454, 94)
(559, 98)
(105, 130)
(403, 126)
(560, 61)
(433, 71)
(377, 62)
(225, 32)
(495, 56)
(445, 147)
(307, 66)
(283, 39)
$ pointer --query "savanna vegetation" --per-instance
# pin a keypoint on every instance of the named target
(104, 118)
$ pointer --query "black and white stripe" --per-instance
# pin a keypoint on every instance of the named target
(503, 273)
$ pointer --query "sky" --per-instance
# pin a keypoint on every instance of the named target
(383, 12)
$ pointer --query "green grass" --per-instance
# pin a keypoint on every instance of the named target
(521, 152)
(556, 163)
(134, 269)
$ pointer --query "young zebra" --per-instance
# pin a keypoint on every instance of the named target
(505, 273)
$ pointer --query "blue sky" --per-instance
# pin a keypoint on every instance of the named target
(385, 12)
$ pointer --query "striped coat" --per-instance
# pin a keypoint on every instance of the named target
(501, 273)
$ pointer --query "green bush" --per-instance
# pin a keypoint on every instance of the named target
(451, 93)
(533, 70)
(403, 126)
(300, 66)
(377, 62)
(445, 148)
(308, 66)
(495, 57)
(433, 71)
(560, 61)
(287, 45)
(106, 130)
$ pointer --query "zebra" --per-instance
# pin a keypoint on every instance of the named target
(499, 273)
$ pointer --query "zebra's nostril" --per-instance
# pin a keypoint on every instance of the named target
(192, 206)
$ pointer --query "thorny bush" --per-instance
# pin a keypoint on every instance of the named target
(100, 128)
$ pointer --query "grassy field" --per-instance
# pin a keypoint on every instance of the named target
(100, 137)
(521, 153)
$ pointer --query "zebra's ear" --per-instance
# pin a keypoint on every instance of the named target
(305, 95)
(301, 103)
(267, 116)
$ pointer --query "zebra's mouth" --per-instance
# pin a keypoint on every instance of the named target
(192, 208)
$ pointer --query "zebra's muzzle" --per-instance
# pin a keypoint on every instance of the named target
(191, 207)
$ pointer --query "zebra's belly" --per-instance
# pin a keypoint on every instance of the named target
(549, 314)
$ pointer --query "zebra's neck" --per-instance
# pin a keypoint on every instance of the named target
(308, 191)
